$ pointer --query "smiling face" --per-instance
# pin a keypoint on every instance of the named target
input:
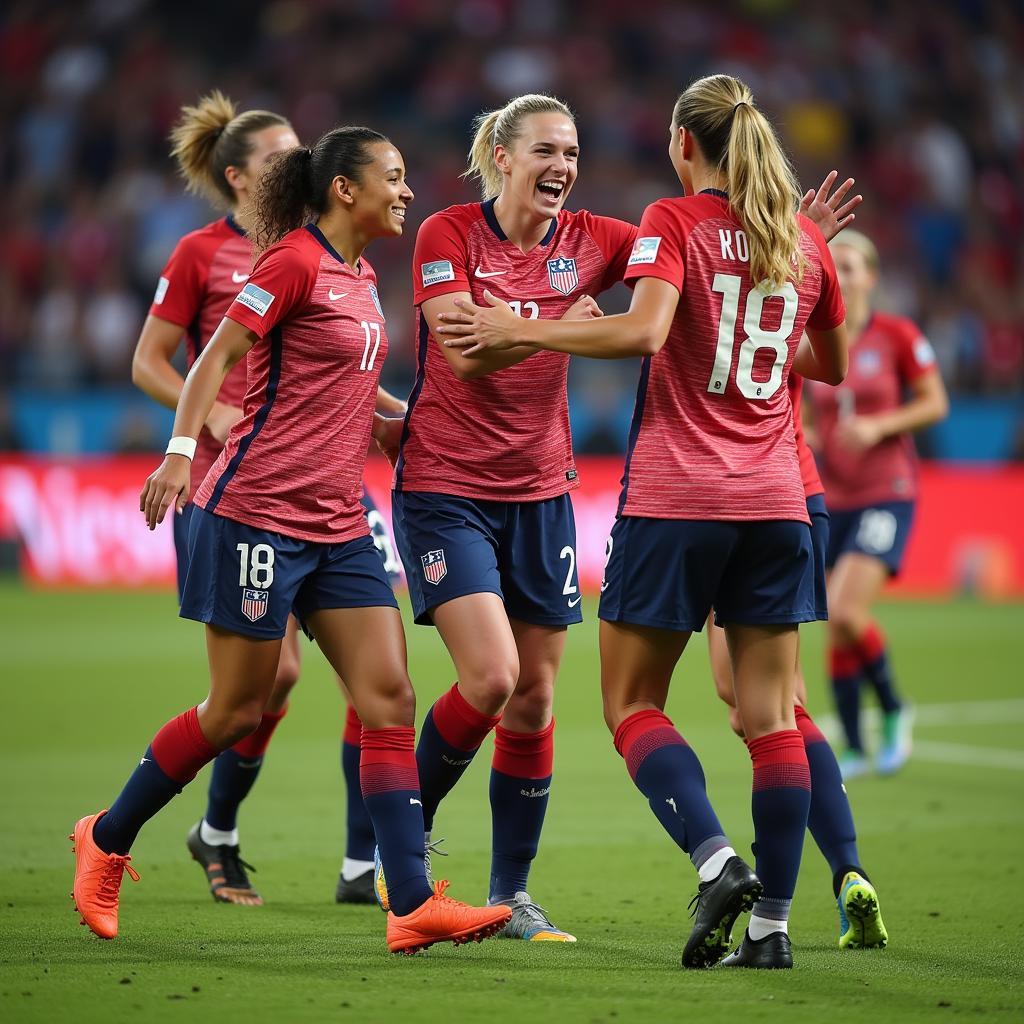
(381, 196)
(540, 168)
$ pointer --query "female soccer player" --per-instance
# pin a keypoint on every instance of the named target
(712, 512)
(220, 154)
(486, 529)
(830, 819)
(278, 525)
(869, 469)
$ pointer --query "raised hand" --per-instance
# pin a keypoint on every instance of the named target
(825, 210)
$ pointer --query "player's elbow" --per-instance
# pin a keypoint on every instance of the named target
(649, 342)
(140, 370)
(465, 369)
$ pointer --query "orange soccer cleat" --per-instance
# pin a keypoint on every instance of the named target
(97, 879)
(442, 919)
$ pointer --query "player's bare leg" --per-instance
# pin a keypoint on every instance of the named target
(366, 647)
(213, 841)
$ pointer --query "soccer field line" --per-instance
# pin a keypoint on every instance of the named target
(975, 712)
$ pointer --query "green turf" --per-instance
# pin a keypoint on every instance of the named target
(89, 678)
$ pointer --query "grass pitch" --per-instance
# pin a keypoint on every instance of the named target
(89, 678)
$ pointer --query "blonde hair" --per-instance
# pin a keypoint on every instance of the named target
(211, 137)
(861, 243)
(502, 128)
(763, 192)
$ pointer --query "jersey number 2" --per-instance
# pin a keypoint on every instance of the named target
(755, 337)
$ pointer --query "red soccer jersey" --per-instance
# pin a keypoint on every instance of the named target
(504, 436)
(889, 354)
(294, 462)
(197, 285)
(712, 434)
(808, 467)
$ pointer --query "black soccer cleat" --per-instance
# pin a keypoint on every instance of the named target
(225, 871)
(355, 890)
(718, 904)
(772, 953)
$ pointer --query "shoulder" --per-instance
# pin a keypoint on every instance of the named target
(201, 245)
(597, 227)
(297, 255)
(896, 328)
(453, 219)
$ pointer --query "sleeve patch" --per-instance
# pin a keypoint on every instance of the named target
(645, 250)
(255, 298)
(436, 272)
(923, 352)
(161, 290)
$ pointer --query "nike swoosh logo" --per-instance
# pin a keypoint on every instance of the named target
(573, 603)
(238, 278)
(412, 801)
(144, 760)
(490, 273)
(333, 297)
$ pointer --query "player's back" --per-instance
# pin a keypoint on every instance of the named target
(712, 434)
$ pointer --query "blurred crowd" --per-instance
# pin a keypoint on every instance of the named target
(924, 107)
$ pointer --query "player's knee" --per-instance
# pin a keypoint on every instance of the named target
(227, 727)
(531, 704)
(288, 669)
(736, 723)
(845, 624)
(492, 685)
(398, 697)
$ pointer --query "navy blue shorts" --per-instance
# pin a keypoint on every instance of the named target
(670, 573)
(378, 531)
(881, 531)
(525, 552)
(819, 541)
(249, 581)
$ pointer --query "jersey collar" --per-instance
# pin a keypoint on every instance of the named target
(322, 239)
(715, 192)
(234, 225)
(492, 222)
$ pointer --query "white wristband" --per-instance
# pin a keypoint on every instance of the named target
(182, 446)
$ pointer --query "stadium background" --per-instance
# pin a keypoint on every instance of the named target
(926, 111)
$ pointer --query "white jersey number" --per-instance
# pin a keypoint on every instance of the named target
(756, 337)
(529, 310)
(255, 566)
(372, 333)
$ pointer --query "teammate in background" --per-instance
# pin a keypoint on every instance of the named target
(830, 819)
(278, 526)
(869, 468)
(484, 523)
(221, 153)
(712, 512)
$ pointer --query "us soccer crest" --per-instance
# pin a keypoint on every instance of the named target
(562, 275)
(254, 604)
(434, 567)
(376, 301)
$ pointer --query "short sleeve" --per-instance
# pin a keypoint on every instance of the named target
(659, 247)
(280, 284)
(830, 309)
(914, 353)
(615, 239)
(439, 262)
(179, 292)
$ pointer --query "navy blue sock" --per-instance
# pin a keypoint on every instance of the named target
(392, 797)
(232, 777)
(449, 739)
(780, 804)
(670, 775)
(147, 791)
(359, 837)
(875, 662)
(520, 784)
(846, 691)
(830, 819)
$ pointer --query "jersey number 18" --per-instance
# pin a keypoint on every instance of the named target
(755, 336)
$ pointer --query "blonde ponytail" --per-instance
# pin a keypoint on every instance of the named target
(502, 128)
(211, 137)
(763, 192)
